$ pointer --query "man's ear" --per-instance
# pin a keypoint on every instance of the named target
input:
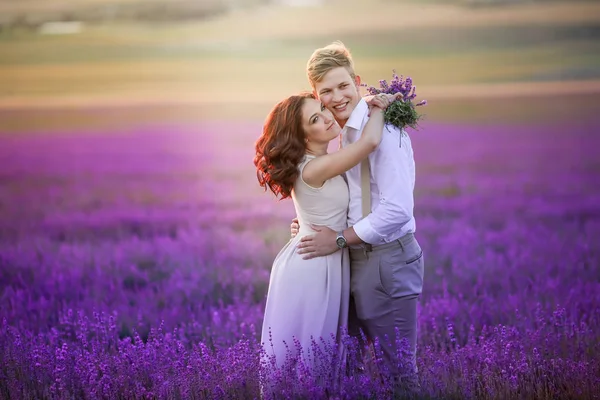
(357, 80)
(314, 92)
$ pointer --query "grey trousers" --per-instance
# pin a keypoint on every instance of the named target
(385, 285)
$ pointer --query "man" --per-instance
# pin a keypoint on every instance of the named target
(387, 263)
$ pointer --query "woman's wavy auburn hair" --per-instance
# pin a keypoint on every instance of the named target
(281, 146)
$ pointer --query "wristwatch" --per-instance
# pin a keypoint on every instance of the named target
(340, 240)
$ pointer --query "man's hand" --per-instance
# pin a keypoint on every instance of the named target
(294, 227)
(319, 244)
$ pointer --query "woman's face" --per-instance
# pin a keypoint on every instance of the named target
(318, 122)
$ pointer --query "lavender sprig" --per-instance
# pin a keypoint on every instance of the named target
(401, 113)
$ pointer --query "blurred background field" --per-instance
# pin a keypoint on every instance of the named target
(127, 132)
(206, 73)
(185, 62)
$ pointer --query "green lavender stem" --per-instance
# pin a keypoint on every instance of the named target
(402, 114)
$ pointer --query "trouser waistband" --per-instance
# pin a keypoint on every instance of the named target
(368, 248)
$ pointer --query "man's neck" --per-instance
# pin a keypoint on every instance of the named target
(341, 123)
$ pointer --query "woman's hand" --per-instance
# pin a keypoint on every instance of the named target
(294, 227)
(381, 101)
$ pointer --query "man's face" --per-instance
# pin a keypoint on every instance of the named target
(339, 93)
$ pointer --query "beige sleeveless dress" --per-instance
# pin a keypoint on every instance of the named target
(309, 298)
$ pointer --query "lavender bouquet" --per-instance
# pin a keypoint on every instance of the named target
(402, 112)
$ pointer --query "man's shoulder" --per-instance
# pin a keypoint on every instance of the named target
(392, 131)
(359, 116)
(393, 141)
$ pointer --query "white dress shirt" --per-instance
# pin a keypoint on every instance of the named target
(392, 183)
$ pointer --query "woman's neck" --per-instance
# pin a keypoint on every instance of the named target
(321, 151)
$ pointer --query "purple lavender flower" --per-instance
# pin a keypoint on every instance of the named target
(384, 85)
(401, 113)
(518, 263)
(408, 85)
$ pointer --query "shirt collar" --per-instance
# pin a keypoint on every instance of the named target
(358, 115)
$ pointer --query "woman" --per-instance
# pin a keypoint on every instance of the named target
(308, 299)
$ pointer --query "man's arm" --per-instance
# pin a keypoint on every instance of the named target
(323, 242)
(391, 166)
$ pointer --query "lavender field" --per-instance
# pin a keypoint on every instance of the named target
(135, 264)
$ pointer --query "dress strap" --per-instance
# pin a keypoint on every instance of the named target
(306, 159)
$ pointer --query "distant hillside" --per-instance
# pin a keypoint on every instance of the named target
(32, 13)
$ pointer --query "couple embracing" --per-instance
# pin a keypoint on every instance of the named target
(353, 261)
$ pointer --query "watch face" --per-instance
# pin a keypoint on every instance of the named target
(341, 242)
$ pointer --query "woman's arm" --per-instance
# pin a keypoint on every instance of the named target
(320, 169)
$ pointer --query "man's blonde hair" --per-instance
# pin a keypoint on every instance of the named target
(327, 58)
